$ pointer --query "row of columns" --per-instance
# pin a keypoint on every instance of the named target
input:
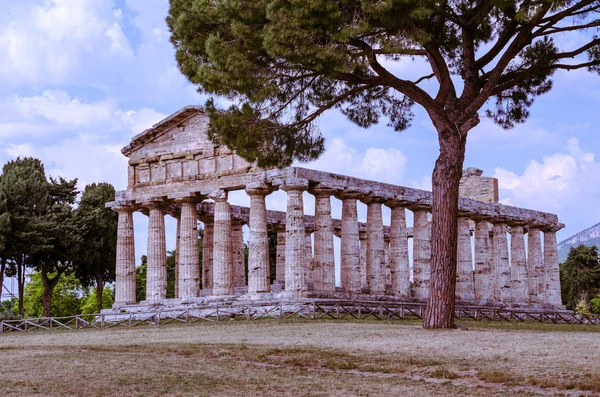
(369, 262)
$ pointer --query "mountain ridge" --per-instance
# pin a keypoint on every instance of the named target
(589, 236)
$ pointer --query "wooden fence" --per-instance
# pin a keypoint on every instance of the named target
(313, 310)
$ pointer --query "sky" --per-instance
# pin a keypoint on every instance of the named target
(79, 78)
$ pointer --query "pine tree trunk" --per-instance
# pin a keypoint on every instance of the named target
(21, 285)
(46, 295)
(99, 291)
(2, 269)
(446, 181)
(49, 285)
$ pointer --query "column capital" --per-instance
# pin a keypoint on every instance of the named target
(123, 207)
(324, 190)
(552, 228)
(373, 198)
(154, 204)
(218, 195)
(351, 193)
(395, 203)
(291, 184)
(415, 207)
(258, 189)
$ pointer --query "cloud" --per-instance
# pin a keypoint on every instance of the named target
(553, 184)
(48, 42)
(140, 120)
(57, 106)
(23, 150)
(382, 165)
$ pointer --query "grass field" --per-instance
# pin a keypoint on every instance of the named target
(304, 358)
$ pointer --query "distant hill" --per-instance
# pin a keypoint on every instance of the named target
(590, 236)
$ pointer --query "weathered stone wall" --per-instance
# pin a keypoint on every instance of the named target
(476, 187)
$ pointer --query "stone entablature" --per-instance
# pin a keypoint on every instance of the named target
(176, 170)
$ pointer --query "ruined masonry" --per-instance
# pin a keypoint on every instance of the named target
(175, 170)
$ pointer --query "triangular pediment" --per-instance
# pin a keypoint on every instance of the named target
(177, 149)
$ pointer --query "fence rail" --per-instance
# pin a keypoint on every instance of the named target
(313, 310)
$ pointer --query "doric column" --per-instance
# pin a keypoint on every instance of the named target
(309, 261)
(239, 265)
(189, 273)
(222, 247)
(177, 216)
(258, 251)
(362, 236)
(125, 269)
(295, 239)
(398, 252)
(324, 263)
(207, 251)
(518, 267)
(535, 267)
(280, 259)
(465, 289)
(387, 269)
(375, 246)
(421, 253)
(501, 268)
(350, 244)
(483, 262)
(156, 276)
(551, 269)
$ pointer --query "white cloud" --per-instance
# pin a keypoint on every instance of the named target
(382, 165)
(48, 42)
(138, 121)
(57, 106)
(22, 150)
(552, 184)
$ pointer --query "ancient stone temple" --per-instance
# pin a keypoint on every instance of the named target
(175, 170)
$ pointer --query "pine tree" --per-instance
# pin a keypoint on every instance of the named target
(96, 258)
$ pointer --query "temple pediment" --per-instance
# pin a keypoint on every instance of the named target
(178, 149)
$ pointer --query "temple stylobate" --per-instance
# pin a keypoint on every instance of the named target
(175, 170)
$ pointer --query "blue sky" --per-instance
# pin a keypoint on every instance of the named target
(81, 77)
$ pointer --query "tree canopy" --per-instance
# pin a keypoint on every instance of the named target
(283, 63)
(580, 276)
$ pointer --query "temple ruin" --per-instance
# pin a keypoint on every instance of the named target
(174, 169)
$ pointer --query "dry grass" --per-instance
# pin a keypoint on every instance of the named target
(269, 358)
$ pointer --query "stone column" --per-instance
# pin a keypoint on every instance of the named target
(258, 252)
(518, 267)
(501, 288)
(398, 252)
(465, 289)
(535, 267)
(387, 269)
(222, 247)
(295, 239)
(324, 263)
(483, 262)
(421, 254)
(551, 269)
(189, 274)
(280, 259)
(375, 246)
(125, 269)
(239, 265)
(156, 276)
(177, 216)
(309, 261)
(207, 251)
(362, 236)
(350, 245)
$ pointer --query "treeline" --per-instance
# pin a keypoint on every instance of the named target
(43, 228)
(580, 280)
